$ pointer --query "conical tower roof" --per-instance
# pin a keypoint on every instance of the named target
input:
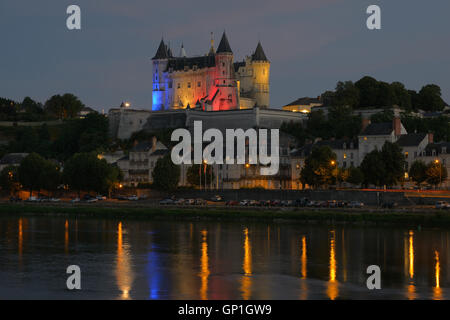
(161, 53)
(259, 54)
(224, 45)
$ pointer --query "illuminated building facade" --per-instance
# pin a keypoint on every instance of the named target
(212, 82)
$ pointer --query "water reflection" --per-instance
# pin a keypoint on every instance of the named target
(332, 287)
(411, 293)
(124, 273)
(246, 280)
(20, 239)
(437, 292)
(179, 260)
(204, 262)
(66, 237)
(304, 262)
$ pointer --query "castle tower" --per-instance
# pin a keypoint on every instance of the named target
(261, 72)
(226, 95)
(160, 61)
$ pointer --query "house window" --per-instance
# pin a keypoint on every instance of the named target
(344, 164)
(365, 138)
(351, 155)
(406, 155)
(345, 156)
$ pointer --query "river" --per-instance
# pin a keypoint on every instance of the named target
(153, 259)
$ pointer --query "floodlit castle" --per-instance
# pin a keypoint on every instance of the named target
(212, 82)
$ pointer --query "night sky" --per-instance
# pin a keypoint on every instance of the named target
(311, 44)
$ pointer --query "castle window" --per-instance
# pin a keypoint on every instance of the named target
(179, 85)
(223, 64)
(189, 84)
(250, 72)
(170, 84)
(199, 84)
(194, 68)
(223, 72)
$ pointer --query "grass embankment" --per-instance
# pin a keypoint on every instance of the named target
(366, 216)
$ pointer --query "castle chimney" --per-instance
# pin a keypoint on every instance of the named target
(364, 123)
(154, 140)
(397, 125)
(430, 137)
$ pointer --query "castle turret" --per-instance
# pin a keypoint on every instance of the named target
(225, 83)
(160, 61)
(261, 72)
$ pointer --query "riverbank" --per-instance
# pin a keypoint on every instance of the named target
(422, 217)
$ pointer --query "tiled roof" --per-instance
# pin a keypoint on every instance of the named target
(304, 101)
(201, 62)
(259, 54)
(224, 45)
(161, 53)
(411, 139)
(381, 128)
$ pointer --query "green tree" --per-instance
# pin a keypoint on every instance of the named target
(368, 89)
(30, 172)
(84, 171)
(355, 176)
(418, 172)
(436, 173)
(346, 94)
(319, 167)
(430, 98)
(63, 107)
(166, 174)
(343, 123)
(373, 168)
(394, 163)
(387, 115)
(50, 176)
(9, 180)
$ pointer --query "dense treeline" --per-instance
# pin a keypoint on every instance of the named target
(371, 93)
(64, 106)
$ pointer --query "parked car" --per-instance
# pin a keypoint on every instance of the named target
(15, 199)
(89, 199)
(54, 200)
(190, 201)
(264, 203)
(166, 201)
(200, 201)
(100, 197)
(332, 203)
(179, 201)
(75, 200)
(301, 202)
(311, 203)
(232, 203)
(275, 203)
(216, 198)
(342, 203)
(244, 202)
(356, 204)
(133, 198)
(32, 199)
(441, 205)
(253, 203)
